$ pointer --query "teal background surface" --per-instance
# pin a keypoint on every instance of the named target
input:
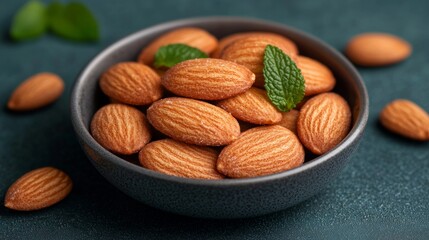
(382, 194)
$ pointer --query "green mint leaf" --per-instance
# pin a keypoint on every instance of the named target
(29, 22)
(172, 54)
(73, 21)
(283, 79)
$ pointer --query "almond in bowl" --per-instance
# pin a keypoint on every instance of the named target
(265, 60)
(232, 124)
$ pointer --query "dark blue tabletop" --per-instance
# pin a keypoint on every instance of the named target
(382, 194)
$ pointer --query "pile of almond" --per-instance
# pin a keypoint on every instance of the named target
(211, 117)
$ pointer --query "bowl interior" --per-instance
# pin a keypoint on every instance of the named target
(87, 97)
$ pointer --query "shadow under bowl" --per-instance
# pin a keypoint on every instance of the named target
(229, 198)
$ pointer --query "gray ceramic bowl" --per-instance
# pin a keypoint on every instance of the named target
(230, 198)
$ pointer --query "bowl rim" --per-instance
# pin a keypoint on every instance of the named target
(86, 137)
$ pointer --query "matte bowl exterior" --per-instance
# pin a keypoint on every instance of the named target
(230, 198)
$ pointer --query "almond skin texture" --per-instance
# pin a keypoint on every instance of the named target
(38, 189)
(194, 37)
(37, 91)
(194, 122)
(323, 122)
(289, 120)
(318, 78)
(208, 79)
(261, 151)
(224, 42)
(180, 159)
(377, 49)
(120, 128)
(407, 119)
(252, 106)
(249, 52)
(131, 83)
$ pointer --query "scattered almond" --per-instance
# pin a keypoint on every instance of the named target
(407, 119)
(318, 78)
(194, 122)
(194, 37)
(252, 106)
(323, 122)
(120, 128)
(131, 83)
(37, 91)
(38, 189)
(261, 151)
(289, 120)
(249, 52)
(208, 79)
(377, 49)
(180, 159)
(224, 42)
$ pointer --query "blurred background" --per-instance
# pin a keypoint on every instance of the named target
(382, 194)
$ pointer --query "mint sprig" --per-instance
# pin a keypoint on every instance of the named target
(284, 82)
(29, 22)
(172, 54)
(72, 21)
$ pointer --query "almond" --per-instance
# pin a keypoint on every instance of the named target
(318, 78)
(289, 120)
(194, 37)
(180, 159)
(323, 122)
(37, 91)
(131, 83)
(194, 122)
(377, 49)
(261, 151)
(252, 106)
(38, 189)
(249, 52)
(407, 119)
(224, 42)
(208, 79)
(120, 128)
